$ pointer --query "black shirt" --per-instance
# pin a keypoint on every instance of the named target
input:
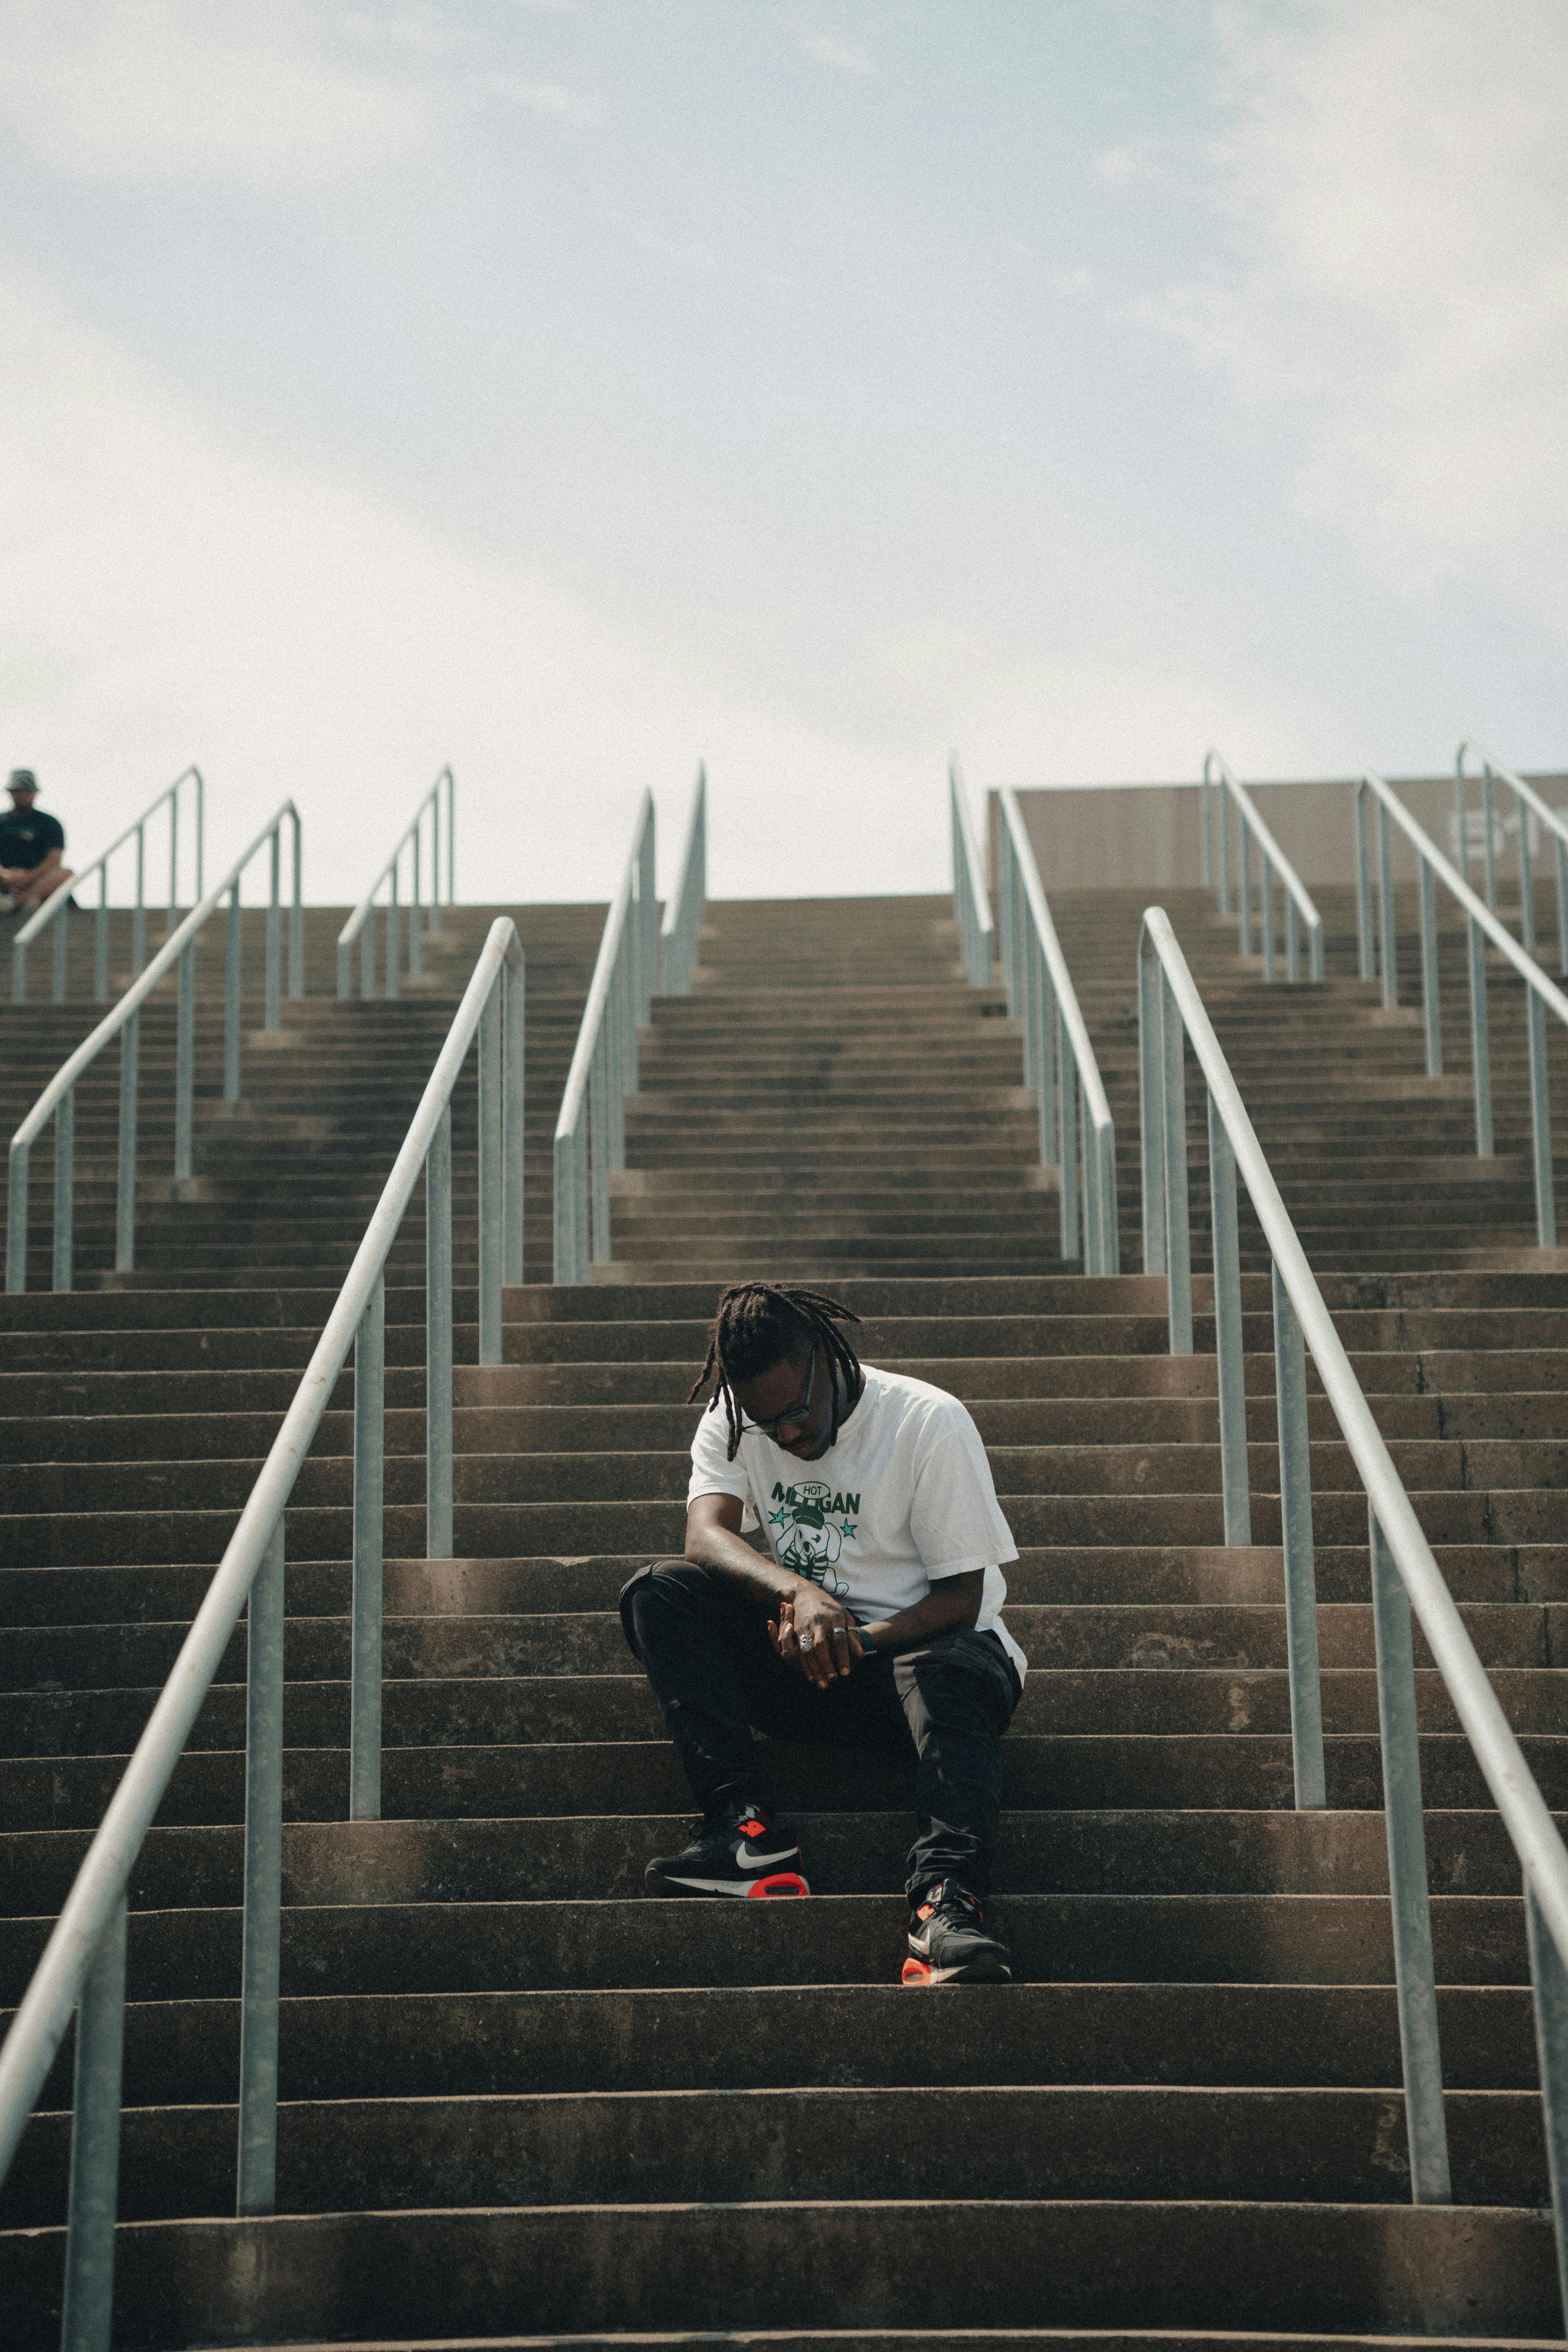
(27, 840)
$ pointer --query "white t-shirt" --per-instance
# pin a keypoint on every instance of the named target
(903, 1498)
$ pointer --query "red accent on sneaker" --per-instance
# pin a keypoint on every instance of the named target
(781, 1882)
(753, 1829)
(916, 1972)
(925, 1911)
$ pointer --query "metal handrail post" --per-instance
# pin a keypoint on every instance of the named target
(260, 1932)
(125, 1173)
(1481, 1037)
(1245, 942)
(233, 943)
(1152, 1113)
(1549, 1979)
(1266, 878)
(1388, 933)
(678, 945)
(1431, 997)
(87, 2309)
(139, 914)
(1366, 967)
(492, 1180)
(62, 1270)
(1488, 842)
(369, 1563)
(1413, 1973)
(296, 915)
(514, 1140)
(185, 1067)
(1066, 1149)
(439, 1343)
(272, 1016)
(1541, 1125)
(99, 941)
(415, 913)
(62, 936)
(1235, 1479)
(389, 984)
(1178, 1226)
(1307, 1763)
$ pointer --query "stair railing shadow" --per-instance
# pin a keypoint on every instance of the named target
(82, 1967)
(360, 924)
(1059, 1065)
(1482, 925)
(1530, 814)
(56, 912)
(591, 1130)
(57, 1100)
(1405, 1574)
(1300, 912)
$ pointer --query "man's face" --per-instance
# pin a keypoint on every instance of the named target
(779, 1394)
(22, 797)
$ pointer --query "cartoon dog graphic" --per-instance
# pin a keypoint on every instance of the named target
(808, 1540)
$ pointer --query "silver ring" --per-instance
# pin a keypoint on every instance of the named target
(808, 1641)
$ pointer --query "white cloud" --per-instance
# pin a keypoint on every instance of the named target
(1042, 719)
(541, 96)
(692, 254)
(169, 592)
(1136, 163)
(153, 91)
(1395, 194)
(837, 55)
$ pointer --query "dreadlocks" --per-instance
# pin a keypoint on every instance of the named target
(761, 1324)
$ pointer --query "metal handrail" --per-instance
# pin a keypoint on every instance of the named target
(58, 1098)
(1059, 1059)
(55, 909)
(1481, 925)
(1298, 908)
(971, 900)
(1405, 1574)
(84, 1960)
(360, 924)
(1526, 798)
(679, 952)
(591, 1131)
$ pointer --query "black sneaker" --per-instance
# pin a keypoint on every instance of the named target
(949, 1941)
(737, 1850)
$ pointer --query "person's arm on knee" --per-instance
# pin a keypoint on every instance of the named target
(809, 1629)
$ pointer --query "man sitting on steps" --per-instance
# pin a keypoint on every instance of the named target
(873, 1621)
(32, 849)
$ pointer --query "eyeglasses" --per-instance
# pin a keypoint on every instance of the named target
(796, 1418)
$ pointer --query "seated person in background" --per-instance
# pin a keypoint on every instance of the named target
(32, 849)
(872, 1621)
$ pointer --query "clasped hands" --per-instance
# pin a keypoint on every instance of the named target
(816, 1635)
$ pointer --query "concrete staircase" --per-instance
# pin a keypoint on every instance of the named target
(523, 2102)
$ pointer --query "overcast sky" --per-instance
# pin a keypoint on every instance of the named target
(567, 388)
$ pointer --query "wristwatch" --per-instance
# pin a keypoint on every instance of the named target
(868, 1648)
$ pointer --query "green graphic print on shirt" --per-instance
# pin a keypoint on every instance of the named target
(809, 1526)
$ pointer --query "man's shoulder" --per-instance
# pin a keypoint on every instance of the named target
(903, 1397)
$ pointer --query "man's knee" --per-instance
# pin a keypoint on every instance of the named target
(665, 1591)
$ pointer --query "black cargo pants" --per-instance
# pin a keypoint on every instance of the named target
(715, 1675)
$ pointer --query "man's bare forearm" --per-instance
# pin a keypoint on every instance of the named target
(954, 1603)
(731, 1557)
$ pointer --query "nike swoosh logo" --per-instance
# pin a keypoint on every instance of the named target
(749, 1860)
